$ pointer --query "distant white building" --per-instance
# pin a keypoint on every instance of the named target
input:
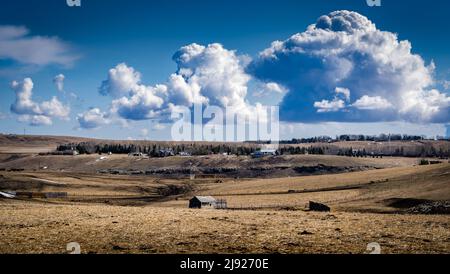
(166, 153)
(72, 152)
(136, 154)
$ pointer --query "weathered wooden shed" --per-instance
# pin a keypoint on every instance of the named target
(202, 202)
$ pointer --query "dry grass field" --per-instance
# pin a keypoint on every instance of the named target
(149, 214)
(45, 228)
(119, 214)
(367, 191)
(282, 165)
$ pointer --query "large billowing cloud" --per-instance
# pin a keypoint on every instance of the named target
(121, 81)
(215, 75)
(341, 69)
(17, 44)
(344, 69)
(208, 75)
(34, 113)
(142, 104)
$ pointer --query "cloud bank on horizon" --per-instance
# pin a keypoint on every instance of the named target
(341, 69)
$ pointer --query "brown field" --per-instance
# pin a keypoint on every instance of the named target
(44, 228)
(148, 214)
(132, 216)
(280, 166)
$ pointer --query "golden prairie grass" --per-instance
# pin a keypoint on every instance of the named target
(39, 228)
(261, 186)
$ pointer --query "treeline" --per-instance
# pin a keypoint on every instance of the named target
(348, 138)
(290, 150)
(430, 152)
(422, 149)
(155, 149)
(194, 149)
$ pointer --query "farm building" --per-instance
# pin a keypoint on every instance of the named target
(72, 152)
(136, 154)
(165, 153)
(202, 202)
(264, 153)
(68, 152)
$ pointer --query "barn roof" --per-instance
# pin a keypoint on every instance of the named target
(205, 199)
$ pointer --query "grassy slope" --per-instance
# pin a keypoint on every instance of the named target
(283, 164)
(358, 191)
(37, 228)
(47, 226)
(368, 191)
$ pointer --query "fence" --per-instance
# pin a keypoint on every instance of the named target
(221, 204)
(301, 206)
(43, 195)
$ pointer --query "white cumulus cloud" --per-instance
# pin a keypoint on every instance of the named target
(36, 113)
(93, 118)
(215, 74)
(208, 75)
(36, 120)
(340, 69)
(372, 103)
(121, 81)
(329, 106)
(342, 52)
(142, 104)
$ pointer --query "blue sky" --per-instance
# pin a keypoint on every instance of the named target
(145, 35)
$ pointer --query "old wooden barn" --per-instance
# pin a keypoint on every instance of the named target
(202, 202)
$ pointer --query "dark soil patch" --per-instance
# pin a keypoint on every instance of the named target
(404, 203)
